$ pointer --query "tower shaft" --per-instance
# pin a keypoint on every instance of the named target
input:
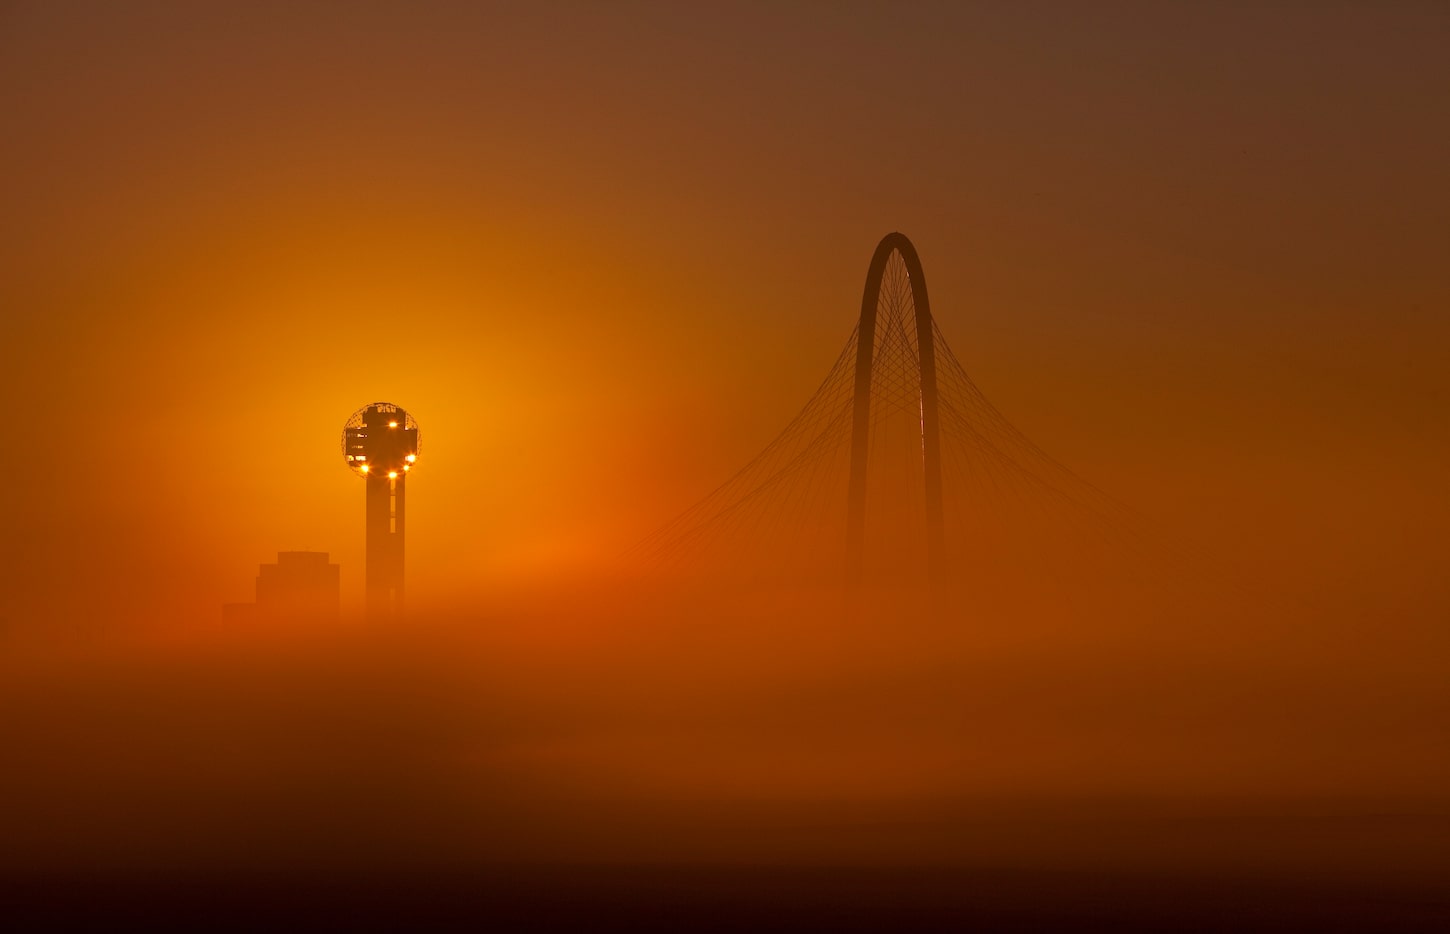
(385, 520)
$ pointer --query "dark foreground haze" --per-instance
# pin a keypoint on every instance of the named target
(1190, 666)
(547, 765)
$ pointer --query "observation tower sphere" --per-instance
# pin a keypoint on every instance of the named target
(380, 438)
(380, 443)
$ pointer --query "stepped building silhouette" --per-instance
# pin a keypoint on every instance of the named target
(301, 586)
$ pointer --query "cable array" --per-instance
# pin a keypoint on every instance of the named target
(783, 515)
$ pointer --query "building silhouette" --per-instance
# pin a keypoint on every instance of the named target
(301, 586)
(380, 443)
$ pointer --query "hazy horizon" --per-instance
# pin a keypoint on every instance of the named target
(1194, 253)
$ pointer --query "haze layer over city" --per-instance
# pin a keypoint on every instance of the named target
(1176, 609)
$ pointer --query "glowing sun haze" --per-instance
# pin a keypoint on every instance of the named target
(1196, 252)
(605, 287)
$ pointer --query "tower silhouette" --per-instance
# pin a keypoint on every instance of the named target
(380, 443)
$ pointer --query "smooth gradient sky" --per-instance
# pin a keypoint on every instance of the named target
(603, 252)
(1196, 252)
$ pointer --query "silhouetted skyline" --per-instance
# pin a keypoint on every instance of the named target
(1193, 252)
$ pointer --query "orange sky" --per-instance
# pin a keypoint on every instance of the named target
(1189, 251)
(1198, 255)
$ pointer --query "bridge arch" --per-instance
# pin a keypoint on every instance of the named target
(861, 415)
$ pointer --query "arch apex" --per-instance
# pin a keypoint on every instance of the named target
(895, 242)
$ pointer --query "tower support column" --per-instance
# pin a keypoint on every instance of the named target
(385, 519)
